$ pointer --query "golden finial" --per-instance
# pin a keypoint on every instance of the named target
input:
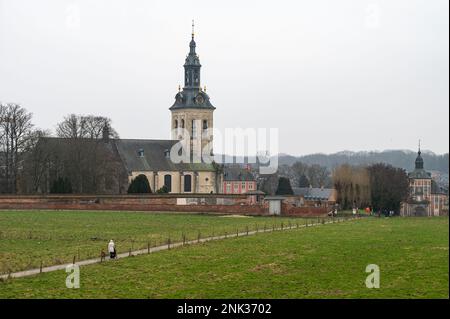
(204, 88)
(179, 88)
(192, 28)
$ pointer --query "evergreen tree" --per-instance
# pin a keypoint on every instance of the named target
(303, 181)
(389, 187)
(284, 187)
(139, 185)
(61, 186)
(163, 190)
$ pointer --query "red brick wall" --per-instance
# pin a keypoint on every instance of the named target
(289, 210)
(235, 204)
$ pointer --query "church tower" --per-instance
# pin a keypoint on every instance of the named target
(192, 112)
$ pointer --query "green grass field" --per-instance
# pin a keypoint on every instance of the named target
(55, 237)
(328, 261)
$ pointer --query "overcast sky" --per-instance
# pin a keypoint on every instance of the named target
(331, 75)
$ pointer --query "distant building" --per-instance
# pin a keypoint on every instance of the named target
(238, 181)
(314, 197)
(425, 197)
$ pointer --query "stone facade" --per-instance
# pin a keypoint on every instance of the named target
(195, 123)
(425, 199)
(192, 121)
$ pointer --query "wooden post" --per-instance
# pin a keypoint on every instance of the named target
(40, 267)
(281, 225)
(168, 243)
(129, 252)
(184, 239)
(237, 232)
(226, 234)
(73, 262)
(148, 247)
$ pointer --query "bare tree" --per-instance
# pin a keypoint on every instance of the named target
(352, 184)
(82, 154)
(73, 126)
(15, 134)
(318, 175)
(85, 126)
(36, 161)
(95, 127)
(268, 183)
(300, 171)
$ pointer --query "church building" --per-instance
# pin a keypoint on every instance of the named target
(425, 197)
(119, 161)
(192, 115)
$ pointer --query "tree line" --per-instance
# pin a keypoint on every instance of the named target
(379, 186)
(80, 161)
(396, 158)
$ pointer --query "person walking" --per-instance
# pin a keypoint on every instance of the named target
(112, 249)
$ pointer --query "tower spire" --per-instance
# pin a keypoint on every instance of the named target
(419, 159)
(192, 29)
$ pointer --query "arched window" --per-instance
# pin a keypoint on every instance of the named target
(168, 182)
(205, 124)
(187, 183)
(176, 123)
(182, 123)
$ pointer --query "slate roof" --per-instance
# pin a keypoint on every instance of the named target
(313, 193)
(419, 173)
(192, 98)
(154, 156)
(127, 151)
(436, 189)
(58, 143)
(237, 174)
